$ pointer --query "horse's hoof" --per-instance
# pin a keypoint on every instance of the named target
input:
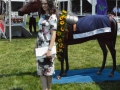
(58, 77)
(98, 73)
(111, 75)
(64, 74)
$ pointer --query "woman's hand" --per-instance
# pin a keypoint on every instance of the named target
(48, 54)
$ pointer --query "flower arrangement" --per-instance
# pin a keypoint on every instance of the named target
(60, 34)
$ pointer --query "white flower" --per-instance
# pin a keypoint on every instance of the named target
(47, 24)
(46, 66)
(41, 36)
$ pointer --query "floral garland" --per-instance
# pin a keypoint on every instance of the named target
(60, 34)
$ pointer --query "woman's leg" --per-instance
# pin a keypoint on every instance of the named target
(43, 80)
(46, 82)
(49, 82)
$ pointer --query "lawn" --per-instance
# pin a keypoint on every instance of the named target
(18, 65)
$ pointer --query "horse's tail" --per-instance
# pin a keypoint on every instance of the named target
(115, 31)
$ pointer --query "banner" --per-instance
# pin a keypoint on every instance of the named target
(101, 7)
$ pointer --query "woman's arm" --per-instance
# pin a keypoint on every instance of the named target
(52, 42)
(53, 23)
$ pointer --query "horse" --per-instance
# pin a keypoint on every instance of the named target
(104, 39)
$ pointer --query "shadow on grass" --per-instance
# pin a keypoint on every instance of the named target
(20, 74)
(16, 89)
(35, 72)
(34, 35)
(109, 85)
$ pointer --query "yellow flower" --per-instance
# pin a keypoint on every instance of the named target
(62, 29)
(61, 45)
(61, 22)
(61, 18)
(58, 50)
(59, 40)
(64, 16)
(64, 11)
(58, 33)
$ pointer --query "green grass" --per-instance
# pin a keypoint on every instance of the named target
(18, 65)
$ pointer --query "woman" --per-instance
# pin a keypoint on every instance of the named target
(46, 37)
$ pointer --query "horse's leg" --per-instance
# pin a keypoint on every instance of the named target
(62, 66)
(62, 69)
(66, 58)
(113, 54)
(111, 45)
(104, 50)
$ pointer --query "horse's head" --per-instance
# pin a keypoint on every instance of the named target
(31, 6)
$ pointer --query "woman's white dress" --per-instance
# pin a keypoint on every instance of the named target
(47, 23)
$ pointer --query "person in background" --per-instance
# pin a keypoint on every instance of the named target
(118, 11)
(46, 37)
(32, 21)
(2, 26)
(115, 10)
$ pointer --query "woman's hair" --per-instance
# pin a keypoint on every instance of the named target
(52, 9)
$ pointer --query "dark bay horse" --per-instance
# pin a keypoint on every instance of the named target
(104, 39)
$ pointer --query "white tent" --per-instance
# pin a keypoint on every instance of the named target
(9, 6)
(93, 2)
(69, 7)
(69, 4)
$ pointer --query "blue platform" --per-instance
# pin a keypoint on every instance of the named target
(85, 76)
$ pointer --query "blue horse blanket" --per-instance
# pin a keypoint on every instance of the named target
(91, 25)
